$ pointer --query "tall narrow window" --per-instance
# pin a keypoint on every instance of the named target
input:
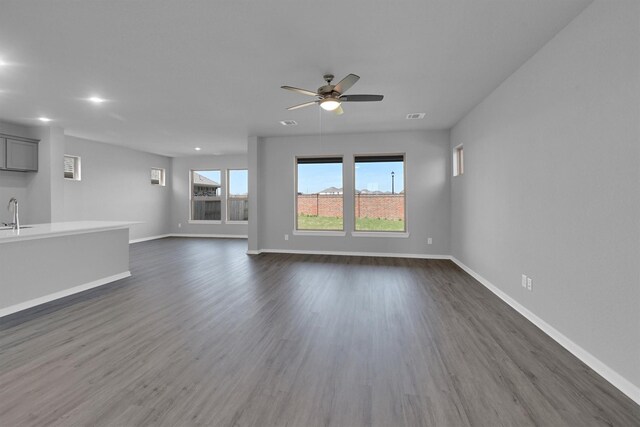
(72, 167)
(157, 176)
(319, 198)
(237, 195)
(379, 193)
(205, 195)
(458, 161)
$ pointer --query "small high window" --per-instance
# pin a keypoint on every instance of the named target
(72, 168)
(458, 161)
(157, 176)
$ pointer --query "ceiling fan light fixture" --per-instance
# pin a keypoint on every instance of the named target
(329, 104)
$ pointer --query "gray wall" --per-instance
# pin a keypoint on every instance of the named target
(427, 187)
(116, 186)
(550, 187)
(45, 193)
(180, 213)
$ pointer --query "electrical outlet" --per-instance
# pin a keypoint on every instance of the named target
(429, 241)
(286, 237)
(529, 283)
(524, 280)
(179, 225)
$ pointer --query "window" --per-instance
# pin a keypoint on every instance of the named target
(237, 195)
(205, 195)
(72, 167)
(379, 193)
(319, 193)
(458, 161)
(157, 176)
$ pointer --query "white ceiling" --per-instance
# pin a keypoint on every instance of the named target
(180, 74)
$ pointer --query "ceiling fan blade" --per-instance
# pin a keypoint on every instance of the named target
(302, 91)
(338, 111)
(346, 83)
(361, 98)
(306, 104)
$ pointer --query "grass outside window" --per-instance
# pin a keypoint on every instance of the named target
(308, 222)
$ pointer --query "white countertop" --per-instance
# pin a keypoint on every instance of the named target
(56, 229)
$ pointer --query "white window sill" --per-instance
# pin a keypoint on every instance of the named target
(323, 233)
(237, 222)
(397, 234)
(193, 221)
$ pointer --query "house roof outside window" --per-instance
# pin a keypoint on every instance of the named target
(204, 181)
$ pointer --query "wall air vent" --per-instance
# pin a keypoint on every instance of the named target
(415, 116)
(289, 123)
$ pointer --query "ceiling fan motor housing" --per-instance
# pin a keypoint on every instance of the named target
(327, 91)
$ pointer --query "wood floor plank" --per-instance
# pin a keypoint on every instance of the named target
(203, 334)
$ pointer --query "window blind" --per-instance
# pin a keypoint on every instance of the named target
(317, 160)
(380, 158)
(69, 167)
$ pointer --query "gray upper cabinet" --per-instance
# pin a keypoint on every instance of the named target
(19, 154)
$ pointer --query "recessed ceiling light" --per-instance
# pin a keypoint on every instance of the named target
(197, 148)
(415, 116)
(288, 123)
(44, 119)
(96, 100)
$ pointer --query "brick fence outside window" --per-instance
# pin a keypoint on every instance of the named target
(387, 206)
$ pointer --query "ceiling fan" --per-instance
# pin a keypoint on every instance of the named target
(330, 97)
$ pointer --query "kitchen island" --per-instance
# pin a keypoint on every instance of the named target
(43, 262)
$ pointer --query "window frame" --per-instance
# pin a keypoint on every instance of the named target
(382, 233)
(312, 232)
(228, 195)
(162, 181)
(77, 167)
(458, 160)
(220, 198)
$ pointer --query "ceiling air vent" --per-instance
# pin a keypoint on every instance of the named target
(289, 123)
(415, 116)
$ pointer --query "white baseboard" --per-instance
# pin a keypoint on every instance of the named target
(345, 253)
(144, 239)
(617, 380)
(214, 236)
(61, 294)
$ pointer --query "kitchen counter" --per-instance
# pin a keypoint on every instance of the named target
(45, 262)
(57, 229)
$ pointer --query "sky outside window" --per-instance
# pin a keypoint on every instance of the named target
(376, 176)
(372, 176)
(238, 182)
(315, 177)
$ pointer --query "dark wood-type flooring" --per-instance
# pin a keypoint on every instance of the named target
(203, 334)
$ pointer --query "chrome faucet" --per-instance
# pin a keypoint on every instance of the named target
(16, 220)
